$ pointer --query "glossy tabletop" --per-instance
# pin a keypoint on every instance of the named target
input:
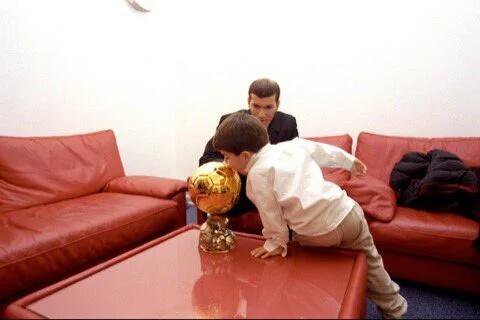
(171, 277)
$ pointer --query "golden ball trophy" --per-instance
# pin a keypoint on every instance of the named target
(215, 188)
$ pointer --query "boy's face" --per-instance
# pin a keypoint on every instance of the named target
(238, 163)
(263, 108)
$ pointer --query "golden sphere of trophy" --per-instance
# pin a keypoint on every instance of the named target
(215, 188)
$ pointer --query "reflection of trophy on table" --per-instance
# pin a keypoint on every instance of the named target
(215, 188)
(217, 294)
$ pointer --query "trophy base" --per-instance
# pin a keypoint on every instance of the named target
(215, 237)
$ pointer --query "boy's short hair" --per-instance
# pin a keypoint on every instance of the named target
(240, 132)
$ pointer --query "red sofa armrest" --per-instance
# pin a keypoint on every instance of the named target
(163, 188)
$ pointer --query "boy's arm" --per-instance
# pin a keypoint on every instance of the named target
(326, 155)
(275, 228)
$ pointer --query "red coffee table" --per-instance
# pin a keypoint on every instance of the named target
(170, 277)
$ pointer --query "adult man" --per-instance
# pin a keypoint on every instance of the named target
(263, 103)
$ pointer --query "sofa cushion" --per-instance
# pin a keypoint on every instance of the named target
(337, 176)
(375, 197)
(441, 235)
(380, 153)
(44, 170)
(42, 243)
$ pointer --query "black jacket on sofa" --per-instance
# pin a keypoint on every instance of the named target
(438, 180)
(282, 128)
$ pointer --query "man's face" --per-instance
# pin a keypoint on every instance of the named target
(238, 163)
(263, 108)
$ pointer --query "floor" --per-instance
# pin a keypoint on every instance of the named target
(426, 302)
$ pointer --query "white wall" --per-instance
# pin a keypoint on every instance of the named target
(162, 79)
(70, 67)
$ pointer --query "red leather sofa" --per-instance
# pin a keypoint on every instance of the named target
(66, 204)
(435, 248)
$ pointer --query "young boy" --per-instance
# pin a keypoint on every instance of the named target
(286, 184)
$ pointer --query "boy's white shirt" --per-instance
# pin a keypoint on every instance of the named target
(286, 185)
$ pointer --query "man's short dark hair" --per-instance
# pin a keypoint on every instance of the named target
(240, 132)
(263, 88)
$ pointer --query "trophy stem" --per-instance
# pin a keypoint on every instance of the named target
(215, 237)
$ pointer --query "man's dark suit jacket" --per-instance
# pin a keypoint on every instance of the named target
(282, 128)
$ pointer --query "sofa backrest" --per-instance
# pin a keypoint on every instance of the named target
(380, 153)
(40, 170)
(338, 176)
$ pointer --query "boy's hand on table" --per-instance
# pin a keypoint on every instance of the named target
(261, 252)
(358, 168)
